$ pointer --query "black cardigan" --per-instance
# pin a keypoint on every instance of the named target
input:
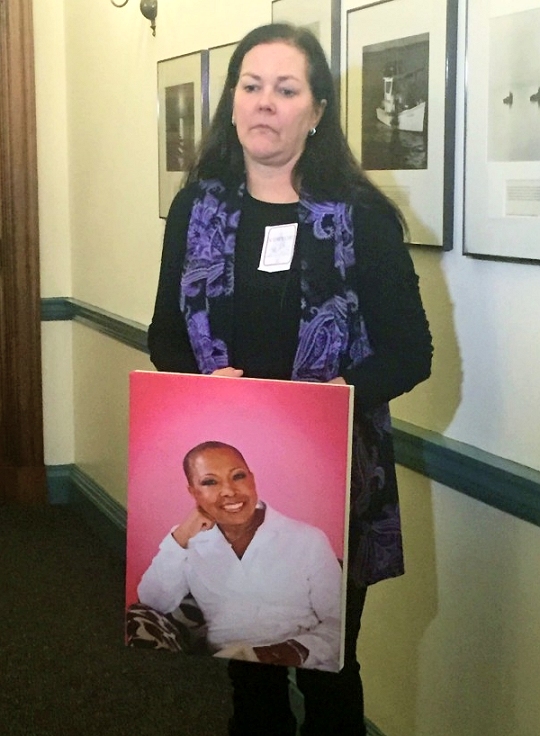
(390, 303)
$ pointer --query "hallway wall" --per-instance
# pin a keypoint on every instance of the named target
(449, 648)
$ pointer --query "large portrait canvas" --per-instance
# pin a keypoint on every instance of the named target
(292, 440)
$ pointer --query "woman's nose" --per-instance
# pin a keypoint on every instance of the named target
(266, 100)
(227, 489)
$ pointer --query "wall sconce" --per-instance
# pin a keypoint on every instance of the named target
(148, 9)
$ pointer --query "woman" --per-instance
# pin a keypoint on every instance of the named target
(281, 260)
(200, 556)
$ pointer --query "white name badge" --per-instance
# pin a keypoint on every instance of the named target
(278, 248)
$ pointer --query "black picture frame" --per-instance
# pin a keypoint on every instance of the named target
(182, 118)
(400, 94)
(502, 145)
(218, 63)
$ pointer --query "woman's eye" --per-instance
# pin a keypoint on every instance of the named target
(286, 92)
(250, 87)
(239, 476)
(208, 482)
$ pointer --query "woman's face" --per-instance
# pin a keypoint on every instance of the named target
(273, 106)
(223, 486)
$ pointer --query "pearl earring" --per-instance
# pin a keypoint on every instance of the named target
(312, 132)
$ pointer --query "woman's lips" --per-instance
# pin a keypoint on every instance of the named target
(264, 128)
(233, 507)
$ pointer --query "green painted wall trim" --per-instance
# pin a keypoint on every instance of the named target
(506, 485)
(503, 484)
(56, 309)
(372, 730)
(121, 329)
(59, 483)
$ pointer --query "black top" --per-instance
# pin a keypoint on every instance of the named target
(267, 306)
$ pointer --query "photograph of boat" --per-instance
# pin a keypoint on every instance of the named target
(395, 109)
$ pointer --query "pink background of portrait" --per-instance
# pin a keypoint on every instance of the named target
(294, 437)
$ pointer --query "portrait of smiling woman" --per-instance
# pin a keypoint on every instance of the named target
(231, 553)
(341, 304)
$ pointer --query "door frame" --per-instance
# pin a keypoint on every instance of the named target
(22, 469)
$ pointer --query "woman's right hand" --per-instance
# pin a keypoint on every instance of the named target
(197, 521)
(228, 372)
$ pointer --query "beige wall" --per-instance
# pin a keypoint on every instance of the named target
(54, 225)
(101, 388)
(53, 150)
(57, 358)
(449, 648)
(111, 72)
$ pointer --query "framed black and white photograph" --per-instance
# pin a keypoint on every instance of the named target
(320, 16)
(502, 128)
(400, 107)
(181, 118)
(218, 64)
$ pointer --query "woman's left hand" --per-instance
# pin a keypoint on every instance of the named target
(288, 653)
(228, 372)
(338, 381)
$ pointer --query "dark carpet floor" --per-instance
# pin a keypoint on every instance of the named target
(64, 669)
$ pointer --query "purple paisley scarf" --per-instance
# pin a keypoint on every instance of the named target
(332, 336)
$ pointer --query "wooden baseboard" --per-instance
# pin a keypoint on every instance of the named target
(26, 486)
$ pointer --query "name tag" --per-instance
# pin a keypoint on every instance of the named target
(278, 248)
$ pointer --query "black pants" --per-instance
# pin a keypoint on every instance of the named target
(333, 702)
